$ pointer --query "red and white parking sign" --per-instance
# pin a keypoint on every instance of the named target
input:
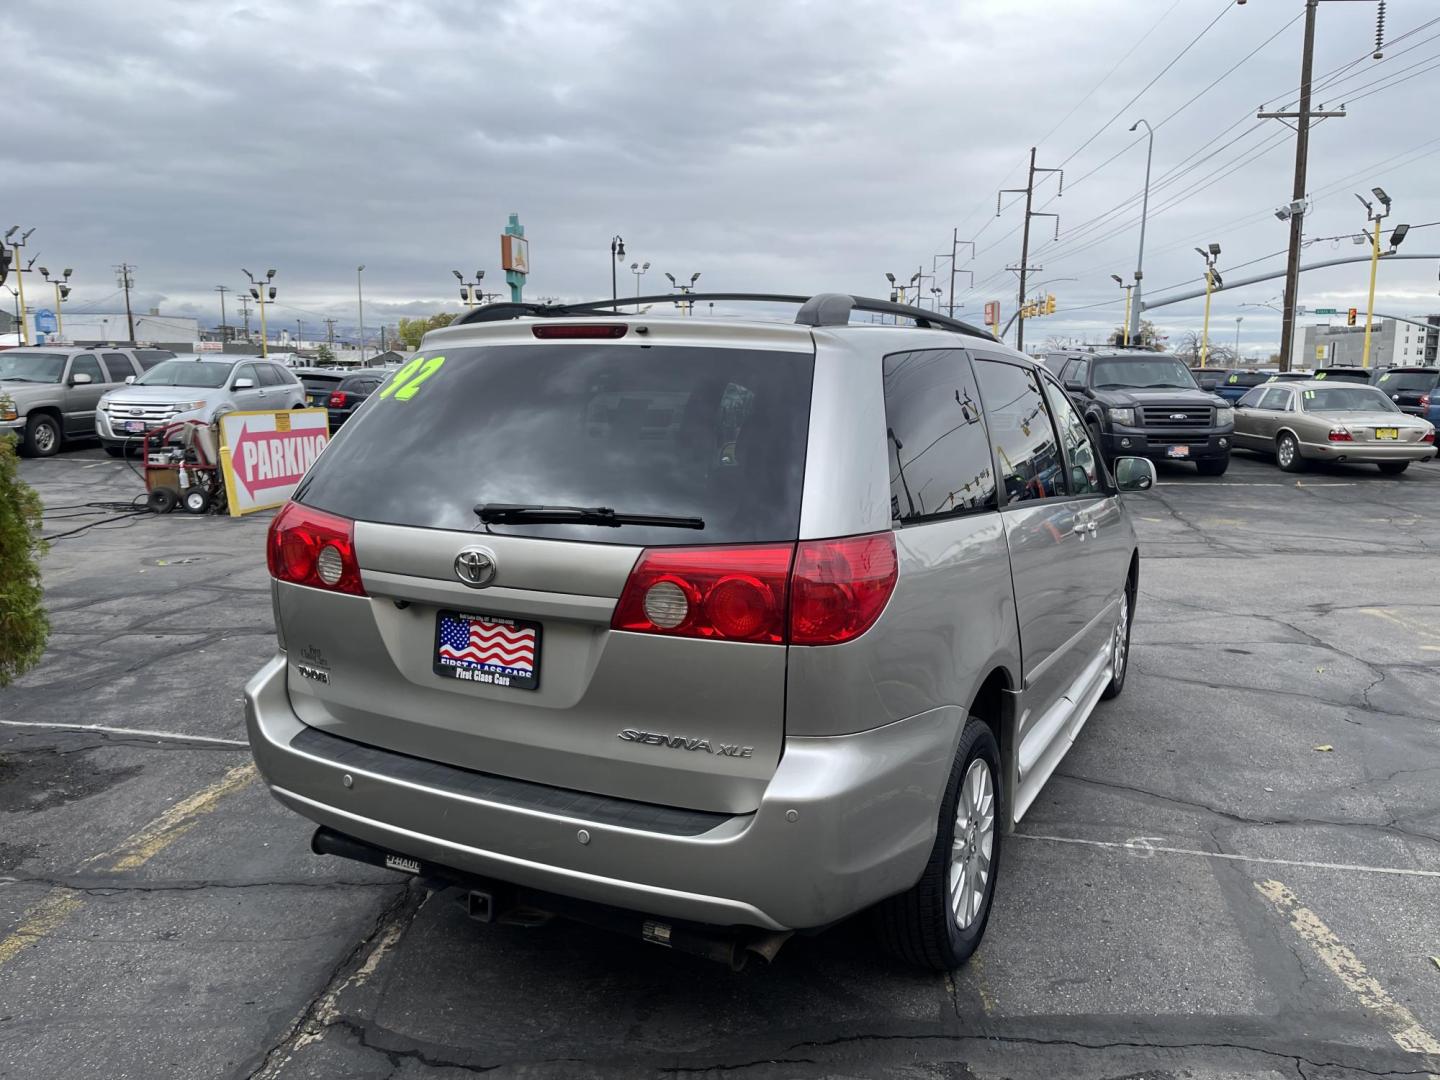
(266, 453)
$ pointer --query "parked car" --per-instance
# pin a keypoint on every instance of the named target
(1148, 405)
(318, 383)
(1331, 421)
(1233, 383)
(611, 609)
(1289, 376)
(352, 392)
(1405, 386)
(1345, 373)
(50, 394)
(193, 388)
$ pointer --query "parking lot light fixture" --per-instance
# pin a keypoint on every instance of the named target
(1212, 279)
(264, 293)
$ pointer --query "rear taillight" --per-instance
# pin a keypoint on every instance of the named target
(1424, 401)
(1339, 434)
(839, 587)
(819, 592)
(1429, 436)
(338, 399)
(311, 547)
(733, 593)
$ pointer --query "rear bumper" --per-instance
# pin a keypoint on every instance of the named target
(1157, 444)
(1367, 453)
(844, 822)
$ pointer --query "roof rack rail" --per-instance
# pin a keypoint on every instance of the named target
(822, 309)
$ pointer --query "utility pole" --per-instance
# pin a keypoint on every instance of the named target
(955, 243)
(245, 307)
(126, 281)
(222, 290)
(1302, 119)
(330, 332)
(1025, 267)
(20, 278)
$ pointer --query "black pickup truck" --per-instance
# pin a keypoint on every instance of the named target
(1147, 404)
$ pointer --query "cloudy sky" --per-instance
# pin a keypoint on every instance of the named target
(784, 146)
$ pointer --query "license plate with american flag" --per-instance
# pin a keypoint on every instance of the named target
(490, 649)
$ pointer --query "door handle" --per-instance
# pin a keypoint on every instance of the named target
(1092, 526)
(1080, 527)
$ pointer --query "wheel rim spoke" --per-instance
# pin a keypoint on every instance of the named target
(972, 845)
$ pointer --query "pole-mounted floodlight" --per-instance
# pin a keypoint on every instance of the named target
(479, 275)
(694, 277)
(1214, 249)
(458, 276)
(1398, 236)
(670, 276)
(889, 277)
(12, 231)
(1379, 193)
(1118, 280)
(67, 272)
(44, 272)
(1201, 253)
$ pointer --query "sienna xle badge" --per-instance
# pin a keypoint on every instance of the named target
(705, 631)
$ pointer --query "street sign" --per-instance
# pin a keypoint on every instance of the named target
(992, 312)
(1326, 311)
(515, 256)
(265, 454)
(45, 321)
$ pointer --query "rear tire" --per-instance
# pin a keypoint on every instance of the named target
(1213, 466)
(939, 922)
(1392, 468)
(1287, 453)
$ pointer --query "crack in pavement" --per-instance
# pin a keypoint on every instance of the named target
(1389, 826)
(309, 1023)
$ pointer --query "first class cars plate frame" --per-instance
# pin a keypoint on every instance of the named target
(504, 634)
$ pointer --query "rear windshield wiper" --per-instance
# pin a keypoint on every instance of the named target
(534, 513)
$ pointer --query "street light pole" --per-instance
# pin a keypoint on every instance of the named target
(62, 291)
(1132, 322)
(1238, 320)
(1124, 330)
(617, 254)
(1371, 215)
(638, 271)
(1211, 280)
(263, 292)
(20, 277)
(360, 305)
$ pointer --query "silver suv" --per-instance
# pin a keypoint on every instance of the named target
(741, 626)
(194, 387)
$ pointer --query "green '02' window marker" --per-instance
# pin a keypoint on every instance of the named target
(409, 378)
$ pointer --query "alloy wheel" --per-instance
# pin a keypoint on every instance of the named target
(973, 844)
(1122, 639)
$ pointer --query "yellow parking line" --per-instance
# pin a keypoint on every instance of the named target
(1399, 1021)
(140, 847)
(44, 917)
(1413, 625)
(134, 851)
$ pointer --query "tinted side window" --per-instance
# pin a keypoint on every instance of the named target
(1275, 398)
(1076, 440)
(1025, 443)
(86, 365)
(118, 365)
(270, 375)
(1251, 400)
(1079, 371)
(245, 371)
(940, 464)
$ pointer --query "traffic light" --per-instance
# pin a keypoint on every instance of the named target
(1350, 318)
(1050, 304)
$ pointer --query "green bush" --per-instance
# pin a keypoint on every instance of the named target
(23, 625)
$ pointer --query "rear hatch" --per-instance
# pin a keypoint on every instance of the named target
(1405, 388)
(318, 386)
(523, 676)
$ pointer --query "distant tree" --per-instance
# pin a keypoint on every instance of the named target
(324, 355)
(1148, 336)
(410, 331)
(23, 625)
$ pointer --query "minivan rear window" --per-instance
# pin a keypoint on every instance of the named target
(713, 433)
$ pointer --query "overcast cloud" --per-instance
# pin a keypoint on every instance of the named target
(772, 146)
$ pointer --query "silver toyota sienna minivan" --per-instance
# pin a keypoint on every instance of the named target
(708, 629)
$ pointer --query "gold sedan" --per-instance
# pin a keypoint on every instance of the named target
(1317, 420)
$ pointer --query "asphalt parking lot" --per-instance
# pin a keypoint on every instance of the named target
(1236, 872)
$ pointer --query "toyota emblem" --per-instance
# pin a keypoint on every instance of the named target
(475, 567)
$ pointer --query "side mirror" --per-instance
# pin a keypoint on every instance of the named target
(1079, 479)
(80, 379)
(1239, 404)
(129, 379)
(244, 384)
(1134, 474)
(1073, 383)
